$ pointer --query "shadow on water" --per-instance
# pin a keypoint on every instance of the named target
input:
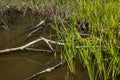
(19, 65)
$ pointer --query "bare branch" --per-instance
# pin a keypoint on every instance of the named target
(48, 41)
(46, 70)
(20, 48)
(31, 43)
(52, 42)
(36, 28)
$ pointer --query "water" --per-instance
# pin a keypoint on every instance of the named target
(19, 65)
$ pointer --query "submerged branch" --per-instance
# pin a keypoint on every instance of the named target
(46, 70)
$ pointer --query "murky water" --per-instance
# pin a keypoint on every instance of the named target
(19, 65)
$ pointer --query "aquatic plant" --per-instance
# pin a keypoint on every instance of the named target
(99, 50)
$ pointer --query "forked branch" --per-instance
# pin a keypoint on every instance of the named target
(26, 46)
(48, 42)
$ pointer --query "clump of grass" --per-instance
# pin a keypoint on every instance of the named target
(101, 54)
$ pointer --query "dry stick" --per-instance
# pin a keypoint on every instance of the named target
(36, 28)
(31, 43)
(33, 31)
(46, 70)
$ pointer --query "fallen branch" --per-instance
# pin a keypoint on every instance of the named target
(26, 46)
(20, 48)
(46, 70)
(31, 43)
(48, 41)
(36, 28)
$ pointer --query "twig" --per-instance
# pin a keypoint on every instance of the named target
(47, 41)
(33, 32)
(53, 42)
(36, 28)
(46, 70)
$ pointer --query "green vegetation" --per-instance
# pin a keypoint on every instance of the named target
(100, 50)
(99, 45)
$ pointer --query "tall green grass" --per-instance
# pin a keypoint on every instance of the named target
(100, 51)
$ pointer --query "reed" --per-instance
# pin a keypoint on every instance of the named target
(101, 54)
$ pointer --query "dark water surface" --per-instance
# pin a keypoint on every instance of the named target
(19, 65)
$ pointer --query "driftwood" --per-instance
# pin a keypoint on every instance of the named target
(46, 70)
